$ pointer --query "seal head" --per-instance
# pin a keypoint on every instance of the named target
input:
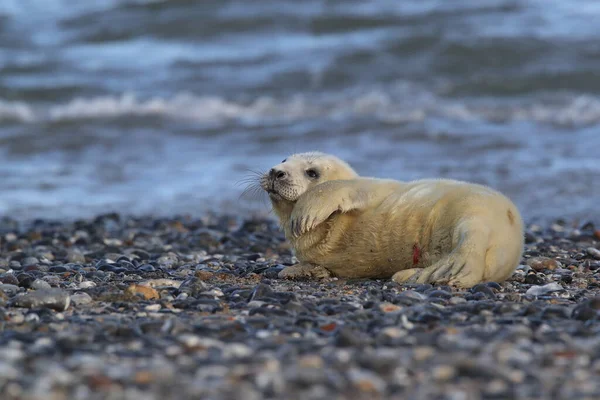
(288, 180)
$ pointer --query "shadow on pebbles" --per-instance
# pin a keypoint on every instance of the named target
(147, 308)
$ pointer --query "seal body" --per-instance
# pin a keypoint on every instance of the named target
(426, 231)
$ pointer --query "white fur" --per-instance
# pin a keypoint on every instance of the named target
(459, 233)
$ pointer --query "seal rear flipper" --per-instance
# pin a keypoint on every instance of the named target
(464, 266)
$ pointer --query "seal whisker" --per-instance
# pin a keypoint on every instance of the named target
(252, 192)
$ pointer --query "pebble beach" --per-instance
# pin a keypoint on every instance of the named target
(117, 307)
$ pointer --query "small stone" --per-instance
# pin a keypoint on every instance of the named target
(87, 285)
(390, 308)
(594, 252)
(262, 291)
(438, 294)
(347, 337)
(147, 292)
(161, 282)
(16, 265)
(545, 289)
(153, 307)
(168, 260)
(422, 353)
(75, 256)
(542, 263)
(204, 275)
(25, 280)
(27, 261)
(485, 289)
(147, 268)
(273, 272)
(366, 381)
(193, 286)
(443, 372)
(393, 332)
(81, 298)
(9, 372)
(9, 279)
(182, 296)
(457, 300)
(412, 295)
(9, 290)
(534, 279)
(216, 292)
(587, 310)
(39, 284)
(54, 299)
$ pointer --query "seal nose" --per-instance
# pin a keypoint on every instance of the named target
(277, 174)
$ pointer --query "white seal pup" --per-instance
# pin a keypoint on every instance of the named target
(434, 231)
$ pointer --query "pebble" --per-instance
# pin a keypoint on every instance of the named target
(39, 284)
(9, 279)
(9, 290)
(390, 308)
(75, 256)
(261, 292)
(219, 321)
(543, 263)
(545, 289)
(594, 252)
(81, 298)
(443, 373)
(273, 272)
(28, 261)
(161, 282)
(366, 381)
(146, 292)
(54, 299)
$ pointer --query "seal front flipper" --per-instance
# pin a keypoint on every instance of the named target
(317, 205)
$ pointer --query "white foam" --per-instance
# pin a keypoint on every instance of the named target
(582, 110)
(16, 111)
(389, 107)
(205, 109)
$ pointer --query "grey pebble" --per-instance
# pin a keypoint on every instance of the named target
(29, 261)
(81, 298)
(39, 284)
(594, 252)
(87, 285)
(543, 290)
(75, 256)
(54, 299)
(8, 289)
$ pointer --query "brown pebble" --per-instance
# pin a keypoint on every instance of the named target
(542, 263)
(147, 292)
(204, 275)
(143, 377)
(389, 307)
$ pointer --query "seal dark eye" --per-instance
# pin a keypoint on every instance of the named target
(312, 173)
(284, 160)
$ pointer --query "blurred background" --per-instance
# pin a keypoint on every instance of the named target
(163, 106)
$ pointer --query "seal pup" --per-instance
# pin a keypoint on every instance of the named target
(436, 231)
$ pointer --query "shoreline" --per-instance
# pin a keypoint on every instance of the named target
(176, 308)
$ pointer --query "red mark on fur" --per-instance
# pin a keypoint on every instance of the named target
(416, 254)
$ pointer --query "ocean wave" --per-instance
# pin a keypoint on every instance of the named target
(392, 107)
(16, 112)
